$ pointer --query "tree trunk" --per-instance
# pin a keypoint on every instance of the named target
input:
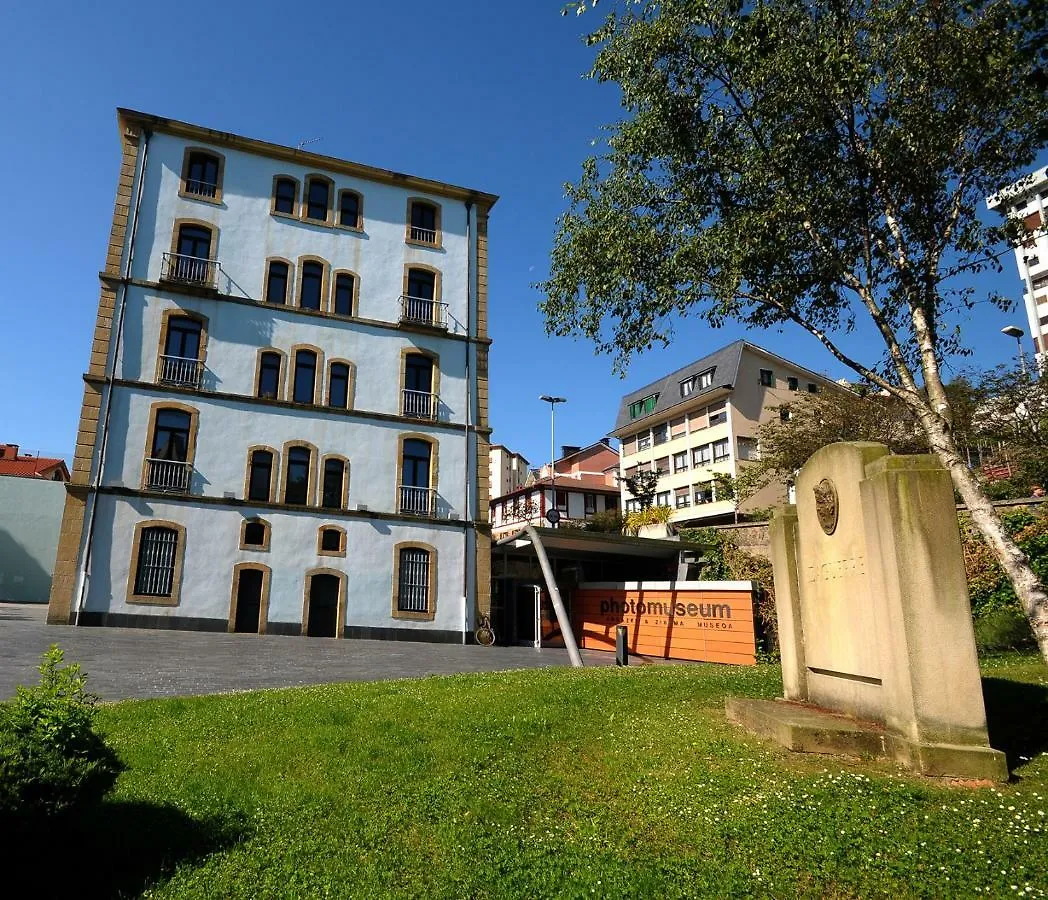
(1027, 585)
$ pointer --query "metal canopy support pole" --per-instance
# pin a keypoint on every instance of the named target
(554, 593)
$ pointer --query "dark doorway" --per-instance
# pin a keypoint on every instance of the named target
(524, 615)
(249, 602)
(323, 606)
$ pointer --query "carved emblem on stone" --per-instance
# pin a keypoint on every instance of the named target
(826, 506)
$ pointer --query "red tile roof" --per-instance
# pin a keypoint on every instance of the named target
(33, 467)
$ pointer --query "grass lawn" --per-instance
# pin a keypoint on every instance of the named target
(601, 783)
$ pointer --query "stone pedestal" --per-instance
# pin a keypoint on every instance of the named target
(875, 626)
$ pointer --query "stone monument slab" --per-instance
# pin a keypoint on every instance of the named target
(874, 617)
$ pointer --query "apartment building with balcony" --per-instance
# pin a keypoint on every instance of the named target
(585, 482)
(284, 426)
(1027, 200)
(700, 422)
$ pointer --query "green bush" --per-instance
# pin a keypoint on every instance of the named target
(607, 522)
(1003, 629)
(988, 586)
(52, 761)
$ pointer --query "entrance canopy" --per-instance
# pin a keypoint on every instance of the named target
(566, 543)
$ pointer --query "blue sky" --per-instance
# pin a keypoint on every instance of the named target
(488, 95)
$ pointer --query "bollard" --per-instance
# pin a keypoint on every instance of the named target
(622, 652)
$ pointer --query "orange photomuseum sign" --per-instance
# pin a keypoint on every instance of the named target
(711, 621)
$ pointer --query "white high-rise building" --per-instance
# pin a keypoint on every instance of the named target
(285, 425)
(1027, 200)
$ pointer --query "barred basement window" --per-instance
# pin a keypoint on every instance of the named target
(157, 550)
(413, 589)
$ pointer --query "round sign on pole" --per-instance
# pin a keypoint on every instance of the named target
(553, 516)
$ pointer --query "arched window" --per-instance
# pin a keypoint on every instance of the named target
(419, 401)
(285, 192)
(260, 476)
(420, 304)
(180, 363)
(416, 498)
(305, 376)
(318, 198)
(338, 386)
(255, 534)
(157, 556)
(296, 483)
(345, 288)
(349, 209)
(421, 284)
(202, 174)
(413, 582)
(333, 484)
(311, 289)
(424, 222)
(276, 282)
(192, 259)
(169, 464)
(268, 387)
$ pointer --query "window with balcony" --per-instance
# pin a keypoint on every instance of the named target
(260, 476)
(305, 382)
(349, 207)
(168, 467)
(345, 293)
(156, 563)
(318, 198)
(296, 479)
(415, 566)
(285, 195)
(277, 276)
(311, 285)
(420, 303)
(267, 385)
(338, 385)
(180, 363)
(423, 222)
(419, 400)
(416, 495)
(191, 262)
(202, 175)
(332, 488)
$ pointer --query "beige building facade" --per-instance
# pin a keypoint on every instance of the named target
(701, 422)
(508, 470)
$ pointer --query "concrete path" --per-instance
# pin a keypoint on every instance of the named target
(124, 663)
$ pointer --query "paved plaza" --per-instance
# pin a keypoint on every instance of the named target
(124, 663)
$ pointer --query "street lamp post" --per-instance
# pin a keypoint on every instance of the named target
(552, 401)
(1017, 333)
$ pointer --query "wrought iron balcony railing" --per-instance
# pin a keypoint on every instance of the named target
(423, 235)
(417, 501)
(181, 372)
(199, 188)
(420, 311)
(189, 269)
(168, 475)
(420, 405)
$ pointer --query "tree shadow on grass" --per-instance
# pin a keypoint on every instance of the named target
(1016, 718)
(117, 850)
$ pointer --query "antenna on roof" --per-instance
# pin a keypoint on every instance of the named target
(302, 144)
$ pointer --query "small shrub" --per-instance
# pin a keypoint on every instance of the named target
(607, 522)
(52, 761)
(1003, 629)
(653, 515)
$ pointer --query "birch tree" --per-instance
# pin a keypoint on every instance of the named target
(815, 165)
